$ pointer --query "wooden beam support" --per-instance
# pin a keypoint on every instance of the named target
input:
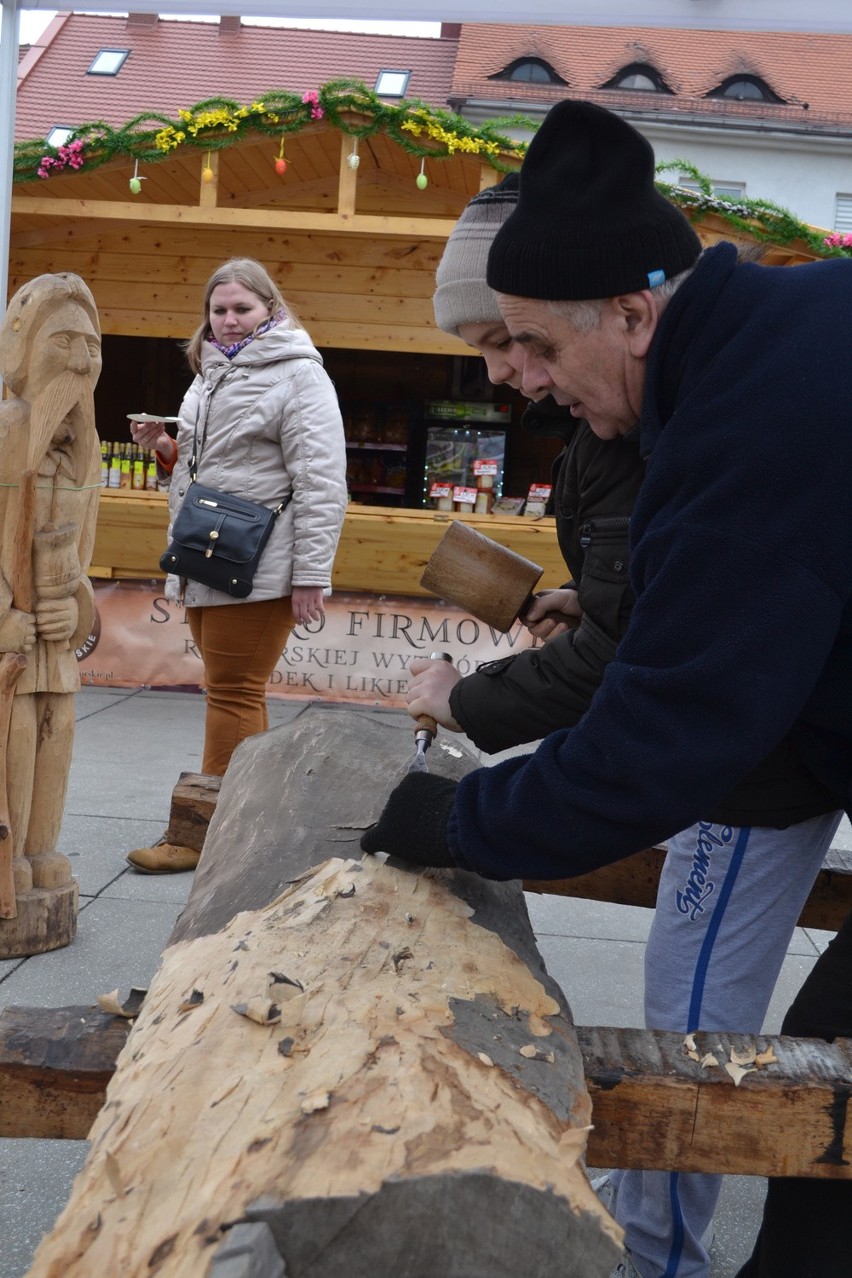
(652, 1106)
(634, 880)
(264, 219)
(193, 804)
(55, 1064)
(347, 186)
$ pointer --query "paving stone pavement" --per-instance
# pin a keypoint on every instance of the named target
(130, 747)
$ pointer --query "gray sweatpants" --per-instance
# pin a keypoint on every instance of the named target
(728, 901)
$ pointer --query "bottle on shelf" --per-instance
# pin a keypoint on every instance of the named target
(105, 452)
(151, 484)
(138, 473)
(115, 467)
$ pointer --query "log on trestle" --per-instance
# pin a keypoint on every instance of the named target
(366, 1069)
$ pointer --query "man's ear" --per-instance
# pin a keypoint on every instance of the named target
(639, 316)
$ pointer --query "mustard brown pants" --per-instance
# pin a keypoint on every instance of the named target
(240, 645)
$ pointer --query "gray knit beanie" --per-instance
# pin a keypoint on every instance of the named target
(462, 296)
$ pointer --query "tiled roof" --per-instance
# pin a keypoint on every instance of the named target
(800, 68)
(176, 64)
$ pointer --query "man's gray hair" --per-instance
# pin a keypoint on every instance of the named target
(585, 316)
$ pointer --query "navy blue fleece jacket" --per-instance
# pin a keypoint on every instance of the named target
(742, 567)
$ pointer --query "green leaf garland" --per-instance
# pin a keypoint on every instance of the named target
(418, 128)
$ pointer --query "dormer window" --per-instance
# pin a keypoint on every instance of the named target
(529, 71)
(745, 88)
(108, 62)
(639, 77)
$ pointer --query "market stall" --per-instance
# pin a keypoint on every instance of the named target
(349, 201)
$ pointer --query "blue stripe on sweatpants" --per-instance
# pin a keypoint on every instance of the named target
(706, 951)
(701, 968)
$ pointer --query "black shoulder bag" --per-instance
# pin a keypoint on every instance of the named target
(218, 539)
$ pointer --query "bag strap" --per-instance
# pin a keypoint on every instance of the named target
(196, 451)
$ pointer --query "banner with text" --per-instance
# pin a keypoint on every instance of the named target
(360, 651)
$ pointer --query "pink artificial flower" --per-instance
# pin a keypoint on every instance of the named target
(71, 154)
(312, 98)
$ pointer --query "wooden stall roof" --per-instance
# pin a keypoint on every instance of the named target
(354, 248)
(355, 251)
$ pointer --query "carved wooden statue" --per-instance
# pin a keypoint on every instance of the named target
(50, 360)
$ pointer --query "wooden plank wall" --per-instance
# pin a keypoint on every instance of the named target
(350, 291)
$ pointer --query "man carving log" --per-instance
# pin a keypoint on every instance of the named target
(50, 360)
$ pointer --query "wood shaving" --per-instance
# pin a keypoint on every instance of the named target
(766, 1057)
(485, 1058)
(737, 1072)
(195, 999)
(111, 1003)
(280, 978)
(693, 1056)
(258, 1009)
(689, 1044)
(707, 1060)
(533, 1053)
(745, 1057)
(315, 1100)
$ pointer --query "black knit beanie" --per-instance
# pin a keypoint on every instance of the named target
(589, 222)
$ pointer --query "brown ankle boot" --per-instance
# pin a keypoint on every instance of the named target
(163, 858)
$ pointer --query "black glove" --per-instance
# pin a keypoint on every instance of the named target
(413, 824)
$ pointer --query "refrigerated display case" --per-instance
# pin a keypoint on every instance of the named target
(457, 435)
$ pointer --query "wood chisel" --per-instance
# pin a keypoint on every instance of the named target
(426, 729)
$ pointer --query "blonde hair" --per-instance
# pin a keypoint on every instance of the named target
(253, 276)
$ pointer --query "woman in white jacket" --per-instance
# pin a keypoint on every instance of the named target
(268, 427)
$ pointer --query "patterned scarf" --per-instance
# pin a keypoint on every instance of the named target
(230, 351)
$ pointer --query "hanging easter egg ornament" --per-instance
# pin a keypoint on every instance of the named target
(421, 179)
(281, 163)
(207, 172)
(353, 159)
(135, 183)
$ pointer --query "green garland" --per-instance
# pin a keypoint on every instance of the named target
(216, 123)
(353, 109)
(760, 219)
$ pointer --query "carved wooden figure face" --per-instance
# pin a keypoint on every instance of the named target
(65, 342)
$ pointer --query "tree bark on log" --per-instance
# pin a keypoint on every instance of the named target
(370, 1061)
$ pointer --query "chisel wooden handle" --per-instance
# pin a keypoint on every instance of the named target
(425, 722)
